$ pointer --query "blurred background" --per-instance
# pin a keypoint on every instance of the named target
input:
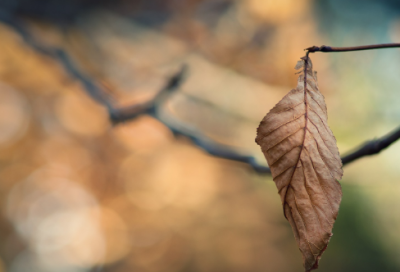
(80, 194)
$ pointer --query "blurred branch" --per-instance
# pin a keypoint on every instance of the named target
(59, 54)
(152, 107)
(372, 147)
(118, 115)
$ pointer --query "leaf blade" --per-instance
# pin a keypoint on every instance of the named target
(305, 163)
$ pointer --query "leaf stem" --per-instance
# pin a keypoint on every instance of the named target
(329, 49)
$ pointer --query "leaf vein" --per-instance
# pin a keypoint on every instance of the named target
(327, 147)
(312, 96)
(319, 182)
(284, 139)
(297, 117)
(312, 204)
(285, 154)
(323, 122)
(287, 109)
(302, 220)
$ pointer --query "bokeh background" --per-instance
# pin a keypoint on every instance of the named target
(79, 194)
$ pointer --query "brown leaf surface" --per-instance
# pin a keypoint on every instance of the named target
(305, 163)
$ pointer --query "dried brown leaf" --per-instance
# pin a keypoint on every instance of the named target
(305, 163)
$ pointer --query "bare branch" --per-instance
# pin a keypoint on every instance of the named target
(118, 115)
(57, 53)
(328, 49)
(224, 152)
(152, 107)
(372, 147)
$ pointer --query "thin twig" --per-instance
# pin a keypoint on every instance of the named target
(328, 49)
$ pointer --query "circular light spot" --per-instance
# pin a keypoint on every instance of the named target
(14, 115)
(81, 115)
(143, 134)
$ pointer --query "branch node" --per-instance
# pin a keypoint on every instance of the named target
(312, 49)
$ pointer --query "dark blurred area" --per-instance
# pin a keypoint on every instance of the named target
(80, 194)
